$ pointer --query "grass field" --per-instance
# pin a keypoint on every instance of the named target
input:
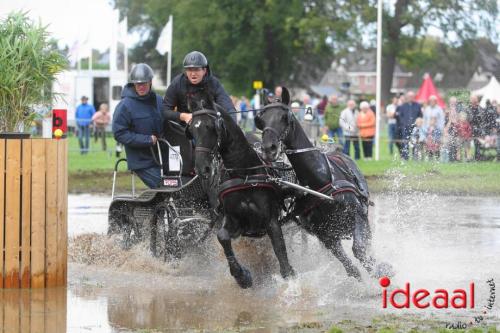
(93, 173)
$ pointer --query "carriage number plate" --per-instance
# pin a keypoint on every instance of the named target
(170, 182)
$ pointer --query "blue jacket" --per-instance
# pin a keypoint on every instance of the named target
(406, 115)
(135, 119)
(84, 113)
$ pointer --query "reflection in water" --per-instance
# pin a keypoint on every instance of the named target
(33, 311)
(432, 242)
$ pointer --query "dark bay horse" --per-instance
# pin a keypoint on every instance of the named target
(251, 206)
(335, 175)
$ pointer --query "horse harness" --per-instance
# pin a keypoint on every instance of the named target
(245, 178)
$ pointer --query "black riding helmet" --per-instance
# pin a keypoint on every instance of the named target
(195, 59)
(141, 73)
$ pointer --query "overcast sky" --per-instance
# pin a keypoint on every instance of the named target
(69, 20)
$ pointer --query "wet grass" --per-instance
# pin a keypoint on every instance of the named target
(93, 172)
(395, 324)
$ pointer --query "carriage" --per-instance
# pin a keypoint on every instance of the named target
(175, 216)
(179, 215)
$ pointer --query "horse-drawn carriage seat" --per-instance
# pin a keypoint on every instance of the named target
(174, 133)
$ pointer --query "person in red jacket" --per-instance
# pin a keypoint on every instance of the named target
(366, 126)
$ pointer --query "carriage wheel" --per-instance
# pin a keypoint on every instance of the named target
(121, 222)
(164, 243)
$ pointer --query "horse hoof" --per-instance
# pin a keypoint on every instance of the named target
(383, 269)
(244, 279)
(289, 273)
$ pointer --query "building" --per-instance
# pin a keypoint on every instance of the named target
(356, 74)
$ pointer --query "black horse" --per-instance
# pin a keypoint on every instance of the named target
(334, 174)
(251, 205)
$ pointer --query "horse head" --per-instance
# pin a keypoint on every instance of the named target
(276, 122)
(207, 129)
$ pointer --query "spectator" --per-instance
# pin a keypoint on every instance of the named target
(101, 120)
(417, 140)
(243, 107)
(366, 126)
(332, 116)
(475, 116)
(464, 136)
(320, 111)
(449, 140)
(349, 127)
(498, 132)
(278, 90)
(390, 111)
(406, 115)
(83, 116)
(432, 139)
(297, 111)
(433, 110)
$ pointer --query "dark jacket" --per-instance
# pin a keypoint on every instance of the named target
(135, 119)
(178, 90)
(406, 115)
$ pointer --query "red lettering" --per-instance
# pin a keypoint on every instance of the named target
(443, 297)
(472, 296)
(384, 298)
(406, 293)
(459, 294)
(418, 296)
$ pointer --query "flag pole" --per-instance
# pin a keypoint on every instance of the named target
(379, 80)
(169, 57)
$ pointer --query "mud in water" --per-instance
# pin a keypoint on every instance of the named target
(432, 242)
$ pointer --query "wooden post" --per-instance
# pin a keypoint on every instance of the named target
(33, 213)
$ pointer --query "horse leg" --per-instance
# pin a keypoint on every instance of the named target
(276, 235)
(240, 273)
(335, 245)
(361, 242)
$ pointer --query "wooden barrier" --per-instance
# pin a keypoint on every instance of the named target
(33, 311)
(33, 213)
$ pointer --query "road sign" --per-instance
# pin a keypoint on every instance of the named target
(257, 85)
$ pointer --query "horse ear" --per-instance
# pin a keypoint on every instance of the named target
(285, 96)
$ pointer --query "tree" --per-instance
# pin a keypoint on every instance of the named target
(459, 21)
(276, 41)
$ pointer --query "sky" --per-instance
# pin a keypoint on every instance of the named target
(69, 20)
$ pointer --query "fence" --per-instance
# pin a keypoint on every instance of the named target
(33, 213)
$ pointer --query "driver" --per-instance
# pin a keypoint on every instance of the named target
(137, 123)
(196, 78)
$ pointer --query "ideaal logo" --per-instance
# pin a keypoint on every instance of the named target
(423, 298)
(439, 299)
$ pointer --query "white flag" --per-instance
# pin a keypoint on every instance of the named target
(164, 43)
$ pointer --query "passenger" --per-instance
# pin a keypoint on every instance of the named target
(137, 123)
(196, 78)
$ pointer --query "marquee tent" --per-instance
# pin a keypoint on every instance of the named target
(490, 91)
(426, 90)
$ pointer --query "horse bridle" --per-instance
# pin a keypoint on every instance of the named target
(218, 126)
(281, 137)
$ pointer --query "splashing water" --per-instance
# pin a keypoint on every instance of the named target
(432, 242)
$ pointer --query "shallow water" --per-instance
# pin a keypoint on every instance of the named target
(431, 241)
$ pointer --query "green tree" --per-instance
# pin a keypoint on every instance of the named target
(277, 41)
(404, 21)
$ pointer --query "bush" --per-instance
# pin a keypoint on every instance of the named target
(28, 66)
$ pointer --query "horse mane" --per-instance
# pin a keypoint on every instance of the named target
(236, 136)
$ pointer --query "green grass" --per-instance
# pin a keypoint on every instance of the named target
(93, 173)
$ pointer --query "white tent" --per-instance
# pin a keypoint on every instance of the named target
(490, 91)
